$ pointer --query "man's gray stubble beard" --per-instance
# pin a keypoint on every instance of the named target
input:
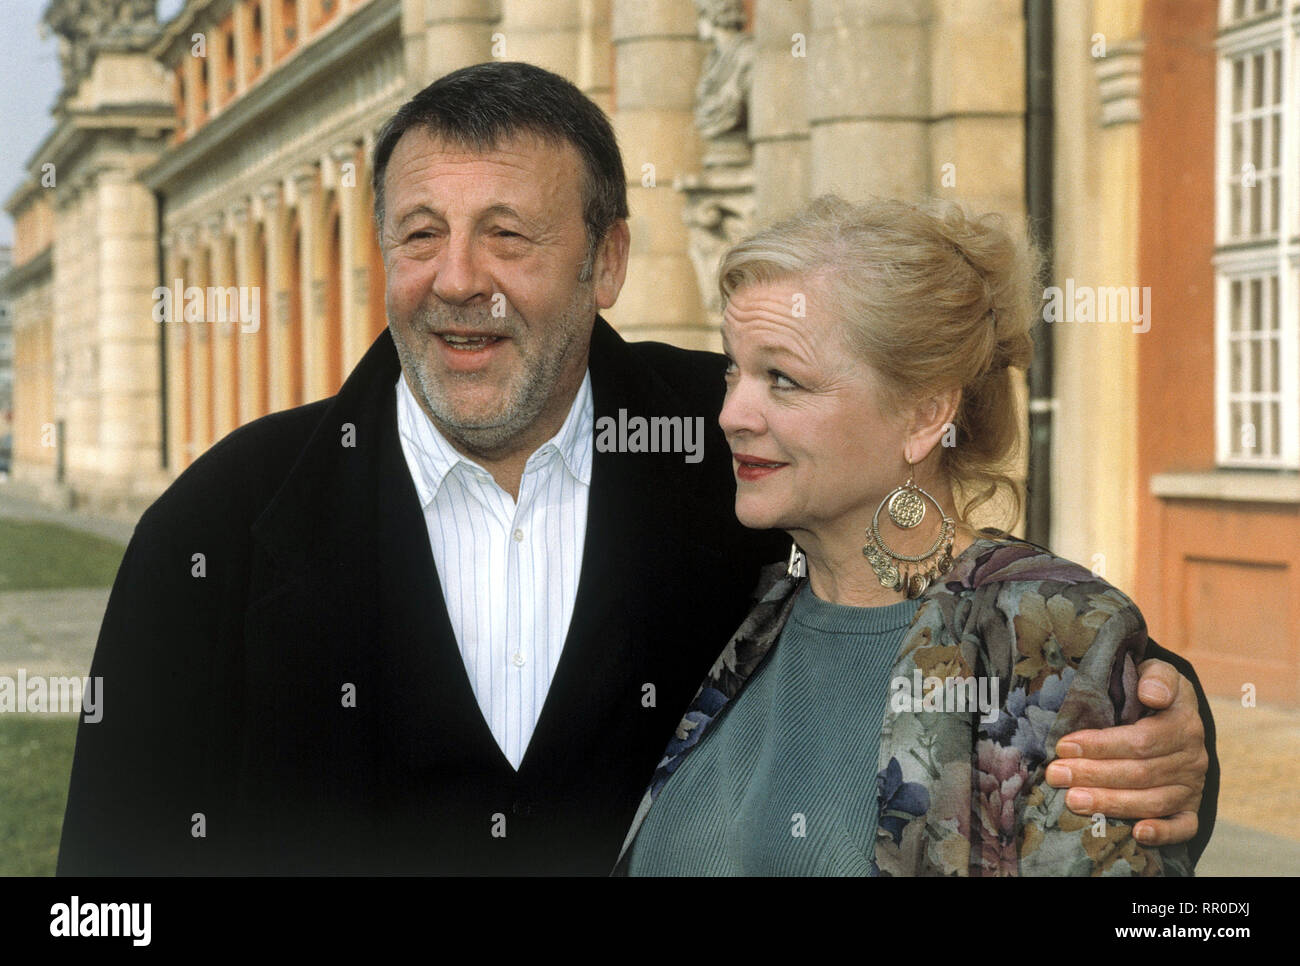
(518, 413)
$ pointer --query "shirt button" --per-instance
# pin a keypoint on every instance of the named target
(517, 660)
(519, 536)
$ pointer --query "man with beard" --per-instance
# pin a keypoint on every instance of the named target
(435, 629)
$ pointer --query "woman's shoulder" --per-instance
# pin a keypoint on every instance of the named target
(1013, 567)
(1000, 580)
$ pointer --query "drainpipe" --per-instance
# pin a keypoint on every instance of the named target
(162, 329)
(1039, 162)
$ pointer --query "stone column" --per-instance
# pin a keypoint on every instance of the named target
(251, 357)
(977, 99)
(439, 36)
(243, 27)
(657, 61)
(303, 10)
(1095, 466)
(275, 223)
(225, 403)
(192, 70)
(127, 340)
(307, 197)
(179, 380)
(348, 177)
(543, 34)
(201, 413)
(216, 64)
(594, 73)
(868, 104)
(778, 117)
(269, 21)
(370, 278)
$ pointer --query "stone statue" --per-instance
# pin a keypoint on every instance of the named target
(719, 207)
(723, 91)
(86, 26)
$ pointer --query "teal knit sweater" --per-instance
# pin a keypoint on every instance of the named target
(785, 782)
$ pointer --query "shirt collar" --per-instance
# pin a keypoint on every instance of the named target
(431, 457)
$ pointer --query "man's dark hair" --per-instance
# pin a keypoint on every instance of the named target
(480, 107)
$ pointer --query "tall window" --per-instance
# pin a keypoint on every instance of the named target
(1257, 234)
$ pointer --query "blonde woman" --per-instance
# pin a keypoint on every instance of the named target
(892, 702)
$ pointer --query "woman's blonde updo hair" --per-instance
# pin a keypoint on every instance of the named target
(931, 297)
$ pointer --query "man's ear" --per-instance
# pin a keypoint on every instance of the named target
(611, 264)
(932, 420)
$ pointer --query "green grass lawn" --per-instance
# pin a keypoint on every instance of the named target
(35, 761)
(46, 556)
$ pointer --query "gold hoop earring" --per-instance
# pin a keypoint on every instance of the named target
(900, 571)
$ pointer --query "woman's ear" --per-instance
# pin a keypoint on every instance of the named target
(932, 423)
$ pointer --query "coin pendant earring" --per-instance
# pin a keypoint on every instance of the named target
(906, 506)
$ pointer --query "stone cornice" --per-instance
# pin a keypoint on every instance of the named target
(75, 128)
(31, 271)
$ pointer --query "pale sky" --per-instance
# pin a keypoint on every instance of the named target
(29, 82)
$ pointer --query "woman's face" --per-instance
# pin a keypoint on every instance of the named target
(811, 448)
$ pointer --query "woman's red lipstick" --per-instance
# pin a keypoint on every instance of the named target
(750, 468)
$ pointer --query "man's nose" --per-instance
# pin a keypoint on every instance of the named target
(461, 276)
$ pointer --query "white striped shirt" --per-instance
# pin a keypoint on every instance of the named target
(509, 571)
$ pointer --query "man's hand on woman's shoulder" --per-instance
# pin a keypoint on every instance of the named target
(1154, 769)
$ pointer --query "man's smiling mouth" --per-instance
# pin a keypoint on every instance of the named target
(469, 343)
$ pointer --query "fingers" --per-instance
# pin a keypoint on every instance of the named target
(1167, 831)
(1164, 733)
(1121, 773)
(1142, 803)
(1159, 684)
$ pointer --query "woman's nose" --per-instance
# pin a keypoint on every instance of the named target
(740, 410)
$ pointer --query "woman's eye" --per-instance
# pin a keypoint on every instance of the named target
(781, 381)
